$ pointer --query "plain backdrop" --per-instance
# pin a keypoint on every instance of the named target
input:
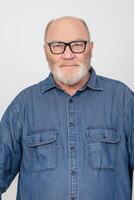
(22, 61)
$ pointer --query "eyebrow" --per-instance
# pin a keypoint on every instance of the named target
(78, 39)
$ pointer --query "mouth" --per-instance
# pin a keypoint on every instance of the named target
(69, 65)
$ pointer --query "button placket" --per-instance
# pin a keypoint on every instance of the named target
(73, 166)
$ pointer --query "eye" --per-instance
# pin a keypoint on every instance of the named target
(77, 44)
(57, 45)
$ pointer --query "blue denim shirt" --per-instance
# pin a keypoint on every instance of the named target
(78, 147)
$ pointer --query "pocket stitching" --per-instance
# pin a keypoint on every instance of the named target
(37, 147)
(114, 154)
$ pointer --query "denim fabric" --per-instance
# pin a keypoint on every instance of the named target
(78, 147)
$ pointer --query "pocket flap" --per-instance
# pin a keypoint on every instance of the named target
(43, 137)
(103, 135)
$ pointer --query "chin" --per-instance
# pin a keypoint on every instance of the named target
(70, 76)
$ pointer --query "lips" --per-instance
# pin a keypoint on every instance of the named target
(73, 65)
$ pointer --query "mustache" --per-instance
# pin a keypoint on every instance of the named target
(69, 64)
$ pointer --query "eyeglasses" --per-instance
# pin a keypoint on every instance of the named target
(60, 47)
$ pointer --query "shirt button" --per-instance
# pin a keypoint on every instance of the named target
(104, 137)
(71, 123)
(73, 173)
(72, 148)
(41, 140)
(71, 100)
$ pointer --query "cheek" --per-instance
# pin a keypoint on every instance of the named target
(85, 59)
(88, 56)
(53, 59)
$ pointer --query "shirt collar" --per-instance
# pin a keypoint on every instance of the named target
(93, 82)
(48, 83)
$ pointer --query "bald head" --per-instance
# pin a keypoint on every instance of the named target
(65, 23)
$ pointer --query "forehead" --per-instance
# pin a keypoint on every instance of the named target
(67, 30)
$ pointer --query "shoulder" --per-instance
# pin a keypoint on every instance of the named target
(118, 89)
(108, 83)
(28, 94)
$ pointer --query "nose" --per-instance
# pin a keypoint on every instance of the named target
(68, 54)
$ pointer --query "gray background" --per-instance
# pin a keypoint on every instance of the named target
(22, 61)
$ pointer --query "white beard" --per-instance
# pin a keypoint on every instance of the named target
(69, 78)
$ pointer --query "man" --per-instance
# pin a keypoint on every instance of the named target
(71, 136)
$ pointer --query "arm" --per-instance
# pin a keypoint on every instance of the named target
(129, 127)
(10, 147)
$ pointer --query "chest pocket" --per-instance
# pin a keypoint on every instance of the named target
(43, 147)
(103, 148)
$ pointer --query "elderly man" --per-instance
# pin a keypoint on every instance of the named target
(71, 136)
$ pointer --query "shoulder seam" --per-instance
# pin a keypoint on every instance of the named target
(16, 109)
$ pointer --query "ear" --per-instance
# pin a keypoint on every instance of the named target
(91, 45)
(91, 48)
(45, 51)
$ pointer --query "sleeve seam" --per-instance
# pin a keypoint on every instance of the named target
(126, 111)
(15, 109)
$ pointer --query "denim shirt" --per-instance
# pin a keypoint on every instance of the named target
(78, 147)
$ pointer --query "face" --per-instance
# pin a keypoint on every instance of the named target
(68, 67)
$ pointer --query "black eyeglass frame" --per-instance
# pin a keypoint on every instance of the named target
(68, 44)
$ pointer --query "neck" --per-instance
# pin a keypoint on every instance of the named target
(72, 89)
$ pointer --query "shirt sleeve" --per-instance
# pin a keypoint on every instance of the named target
(10, 146)
(129, 127)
